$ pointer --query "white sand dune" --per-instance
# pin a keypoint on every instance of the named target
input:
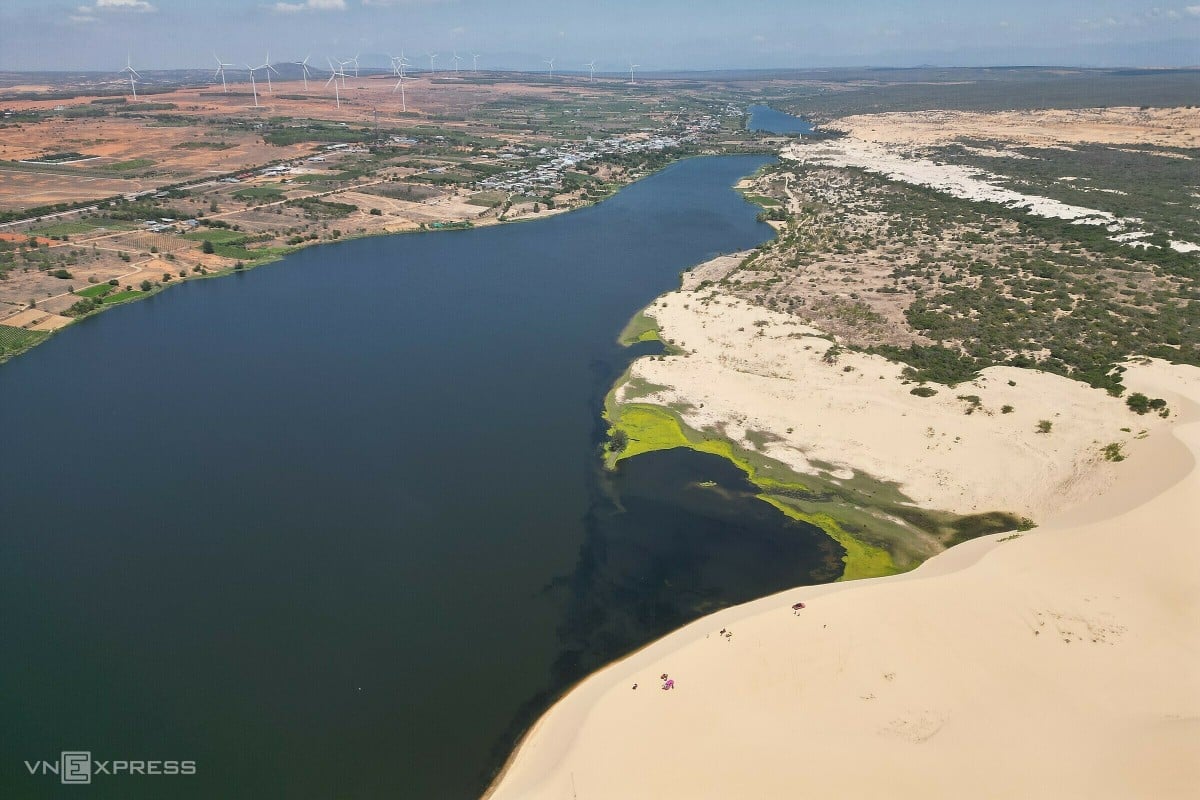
(751, 369)
(967, 183)
(1064, 663)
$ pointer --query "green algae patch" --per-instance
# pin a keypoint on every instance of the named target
(880, 528)
(862, 560)
(642, 328)
(639, 428)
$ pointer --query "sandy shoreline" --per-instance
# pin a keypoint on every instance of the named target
(1060, 663)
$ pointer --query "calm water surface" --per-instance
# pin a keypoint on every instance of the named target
(335, 528)
(765, 118)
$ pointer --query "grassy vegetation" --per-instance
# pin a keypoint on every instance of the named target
(488, 199)
(58, 158)
(983, 284)
(65, 229)
(128, 166)
(1152, 184)
(762, 200)
(17, 340)
(216, 236)
(99, 290)
(323, 208)
(201, 145)
(259, 194)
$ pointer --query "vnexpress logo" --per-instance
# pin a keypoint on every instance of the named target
(78, 766)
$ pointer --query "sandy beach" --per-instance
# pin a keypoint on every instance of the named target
(1063, 662)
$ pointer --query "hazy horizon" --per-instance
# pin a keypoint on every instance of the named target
(659, 35)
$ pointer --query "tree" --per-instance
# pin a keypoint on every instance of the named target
(146, 286)
(207, 247)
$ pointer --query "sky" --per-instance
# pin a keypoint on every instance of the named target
(656, 34)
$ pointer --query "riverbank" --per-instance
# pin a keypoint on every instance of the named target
(1055, 663)
(16, 340)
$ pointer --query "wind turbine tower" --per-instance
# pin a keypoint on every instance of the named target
(475, 59)
(253, 85)
(457, 58)
(432, 56)
(334, 74)
(632, 67)
(400, 85)
(304, 69)
(221, 65)
(132, 73)
(550, 62)
(591, 65)
(266, 66)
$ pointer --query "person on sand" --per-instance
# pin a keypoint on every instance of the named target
(635, 687)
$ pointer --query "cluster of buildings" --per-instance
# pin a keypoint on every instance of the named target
(548, 174)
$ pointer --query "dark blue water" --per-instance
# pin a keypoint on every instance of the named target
(765, 118)
(335, 528)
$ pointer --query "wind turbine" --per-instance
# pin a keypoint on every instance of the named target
(304, 69)
(457, 58)
(355, 62)
(432, 56)
(266, 65)
(132, 72)
(591, 65)
(221, 65)
(475, 59)
(403, 62)
(632, 67)
(253, 85)
(334, 74)
(400, 85)
(342, 67)
(550, 61)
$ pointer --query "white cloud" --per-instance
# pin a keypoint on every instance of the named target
(85, 14)
(310, 5)
(124, 5)
(1193, 10)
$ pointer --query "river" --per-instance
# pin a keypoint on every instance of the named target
(336, 526)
